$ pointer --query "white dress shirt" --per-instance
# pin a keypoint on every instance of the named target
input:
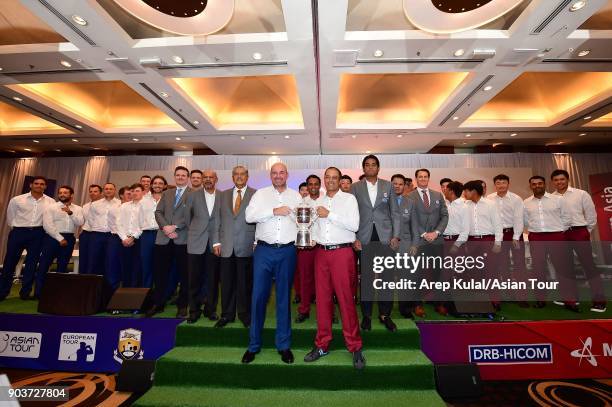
(56, 221)
(484, 219)
(581, 207)
(458, 221)
(546, 214)
(113, 215)
(98, 214)
(273, 229)
(372, 190)
(342, 221)
(510, 208)
(129, 219)
(148, 204)
(86, 216)
(210, 201)
(25, 211)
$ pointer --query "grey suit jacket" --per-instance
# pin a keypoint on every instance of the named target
(236, 235)
(203, 229)
(166, 214)
(428, 220)
(407, 215)
(384, 214)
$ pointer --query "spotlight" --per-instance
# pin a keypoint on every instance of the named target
(368, 152)
(459, 52)
(177, 138)
(399, 136)
(17, 99)
(78, 126)
(36, 141)
(287, 137)
(163, 94)
(577, 5)
(79, 20)
(379, 53)
(456, 118)
(177, 59)
(274, 152)
(468, 135)
(488, 88)
(354, 136)
(27, 149)
(584, 52)
(135, 139)
(582, 135)
(196, 122)
(257, 56)
(513, 135)
(242, 138)
(65, 63)
(75, 140)
(587, 118)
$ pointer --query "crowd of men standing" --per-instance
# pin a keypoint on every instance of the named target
(237, 242)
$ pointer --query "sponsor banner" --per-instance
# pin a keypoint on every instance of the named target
(601, 192)
(523, 350)
(82, 344)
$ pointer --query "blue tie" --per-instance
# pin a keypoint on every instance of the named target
(399, 200)
(177, 198)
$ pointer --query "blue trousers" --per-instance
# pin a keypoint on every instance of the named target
(96, 256)
(114, 262)
(84, 239)
(20, 239)
(52, 250)
(130, 266)
(147, 244)
(269, 264)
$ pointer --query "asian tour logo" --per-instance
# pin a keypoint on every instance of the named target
(129, 346)
(20, 344)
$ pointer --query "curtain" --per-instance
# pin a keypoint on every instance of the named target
(80, 172)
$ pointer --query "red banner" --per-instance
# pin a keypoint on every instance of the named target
(601, 192)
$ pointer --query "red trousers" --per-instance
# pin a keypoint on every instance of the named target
(334, 272)
(579, 241)
(305, 269)
(554, 245)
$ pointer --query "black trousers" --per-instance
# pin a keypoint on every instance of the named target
(236, 287)
(164, 256)
(213, 275)
(384, 307)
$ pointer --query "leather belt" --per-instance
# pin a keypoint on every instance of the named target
(275, 245)
(577, 227)
(334, 246)
(27, 227)
(480, 236)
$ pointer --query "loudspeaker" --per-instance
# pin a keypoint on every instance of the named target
(471, 309)
(72, 294)
(136, 376)
(130, 299)
(455, 381)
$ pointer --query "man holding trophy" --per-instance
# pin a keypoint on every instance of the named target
(335, 224)
(272, 209)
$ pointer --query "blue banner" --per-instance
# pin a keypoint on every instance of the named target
(82, 344)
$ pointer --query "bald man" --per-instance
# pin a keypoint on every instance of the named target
(274, 259)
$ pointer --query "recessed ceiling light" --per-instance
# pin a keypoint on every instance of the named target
(468, 135)
(196, 122)
(78, 126)
(561, 142)
(587, 118)
(488, 88)
(459, 52)
(79, 20)
(399, 136)
(163, 94)
(75, 140)
(257, 56)
(96, 148)
(65, 63)
(287, 137)
(1, 68)
(135, 139)
(273, 152)
(584, 52)
(379, 53)
(17, 99)
(58, 150)
(577, 5)
(177, 138)
(496, 144)
(177, 59)
(582, 135)
(242, 138)
(354, 136)
(513, 135)
(456, 118)
(36, 141)
(27, 149)
(464, 143)
(368, 152)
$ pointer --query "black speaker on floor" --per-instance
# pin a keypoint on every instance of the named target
(136, 376)
(130, 299)
(458, 381)
(472, 309)
(73, 294)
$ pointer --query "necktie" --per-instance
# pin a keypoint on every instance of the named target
(177, 197)
(238, 202)
(425, 199)
(399, 200)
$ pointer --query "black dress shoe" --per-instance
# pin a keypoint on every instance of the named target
(301, 318)
(297, 299)
(540, 304)
(193, 317)
(248, 357)
(358, 360)
(213, 316)
(27, 297)
(246, 324)
(222, 322)
(366, 324)
(286, 355)
(181, 313)
(315, 354)
(152, 311)
(388, 323)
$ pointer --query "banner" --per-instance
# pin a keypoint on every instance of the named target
(82, 344)
(601, 193)
(523, 350)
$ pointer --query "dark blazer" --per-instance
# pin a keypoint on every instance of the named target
(203, 229)
(428, 220)
(384, 214)
(166, 214)
(407, 215)
(235, 234)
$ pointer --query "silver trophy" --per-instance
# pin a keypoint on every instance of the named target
(305, 216)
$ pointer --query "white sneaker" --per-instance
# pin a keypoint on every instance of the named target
(561, 303)
(599, 308)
